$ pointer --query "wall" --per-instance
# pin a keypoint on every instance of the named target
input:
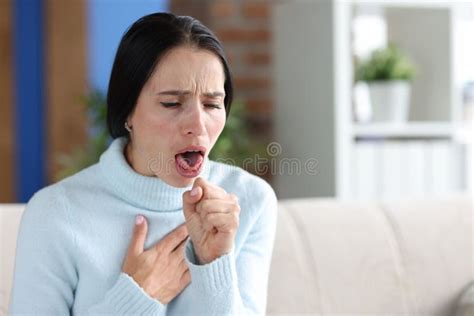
(66, 79)
(107, 22)
(7, 183)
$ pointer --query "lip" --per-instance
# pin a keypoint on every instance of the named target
(201, 149)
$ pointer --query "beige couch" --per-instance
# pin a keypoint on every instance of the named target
(408, 257)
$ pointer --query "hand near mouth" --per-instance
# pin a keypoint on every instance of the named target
(212, 219)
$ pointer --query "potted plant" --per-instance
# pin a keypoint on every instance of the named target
(388, 73)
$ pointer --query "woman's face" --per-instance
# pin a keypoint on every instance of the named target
(181, 105)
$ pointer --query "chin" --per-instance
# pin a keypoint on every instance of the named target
(184, 182)
(179, 181)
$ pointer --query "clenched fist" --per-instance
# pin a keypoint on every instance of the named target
(212, 219)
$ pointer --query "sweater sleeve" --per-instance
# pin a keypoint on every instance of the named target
(45, 274)
(233, 285)
(127, 297)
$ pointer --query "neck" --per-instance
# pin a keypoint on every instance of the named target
(134, 161)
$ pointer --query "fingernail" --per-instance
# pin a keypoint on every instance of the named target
(138, 219)
(194, 191)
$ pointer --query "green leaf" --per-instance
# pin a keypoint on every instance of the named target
(384, 64)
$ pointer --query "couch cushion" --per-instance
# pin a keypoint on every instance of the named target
(405, 257)
(435, 240)
(335, 258)
(465, 305)
(10, 216)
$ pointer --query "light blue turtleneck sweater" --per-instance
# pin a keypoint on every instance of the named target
(74, 236)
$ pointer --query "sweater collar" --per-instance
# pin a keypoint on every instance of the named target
(146, 192)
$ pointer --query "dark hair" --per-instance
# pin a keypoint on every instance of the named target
(139, 52)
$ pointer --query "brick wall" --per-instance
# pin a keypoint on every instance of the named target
(243, 26)
(66, 118)
(7, 109)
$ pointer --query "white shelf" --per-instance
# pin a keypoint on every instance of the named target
(408, 130)
(464, 133)
(407, 3)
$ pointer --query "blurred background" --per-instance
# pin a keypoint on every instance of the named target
(348, 99)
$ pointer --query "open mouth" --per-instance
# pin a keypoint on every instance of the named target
(190, 159)
(189, 162)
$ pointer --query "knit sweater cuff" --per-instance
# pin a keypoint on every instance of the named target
(126, 296)
(213, 276)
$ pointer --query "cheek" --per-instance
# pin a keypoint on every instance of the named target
(152, 120)
(153, 130)
(217, 126)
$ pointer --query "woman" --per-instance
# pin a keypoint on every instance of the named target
(154, 227)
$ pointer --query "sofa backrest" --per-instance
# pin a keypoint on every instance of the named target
(10, 216)
(406, 257)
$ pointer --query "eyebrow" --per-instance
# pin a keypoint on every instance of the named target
(186, 92)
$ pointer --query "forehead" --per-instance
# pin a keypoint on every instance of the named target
(188, 68)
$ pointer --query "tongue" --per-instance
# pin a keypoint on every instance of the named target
(189, 160)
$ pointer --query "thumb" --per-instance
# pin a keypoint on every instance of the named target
(190, 198)
(139, 236)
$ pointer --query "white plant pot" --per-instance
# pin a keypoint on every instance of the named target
(390, 100)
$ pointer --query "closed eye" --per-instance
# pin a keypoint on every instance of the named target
(170, 104)
(175, 104)
(214, 106)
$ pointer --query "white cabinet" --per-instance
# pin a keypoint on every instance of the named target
(390, 169)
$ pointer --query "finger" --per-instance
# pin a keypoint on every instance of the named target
(173, 239)
(190, 198)
(224, 222)
(182, 265)
(185, 279)
(210, 190)
(234, 197)
(179, 250)
(139, 236)
(216, 206)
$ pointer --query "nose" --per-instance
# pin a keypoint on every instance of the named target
(193, 120)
